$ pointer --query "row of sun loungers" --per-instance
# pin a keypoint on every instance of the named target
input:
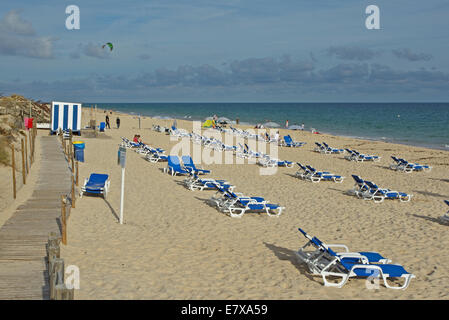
(151, 154)
(335, 267)
(311, 174)
(368, 190)
(236, 204)
(327, 263)
(399, 164)
(242, 133)
(354, 155)
(174, 166)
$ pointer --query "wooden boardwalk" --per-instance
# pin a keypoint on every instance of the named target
(23, 270)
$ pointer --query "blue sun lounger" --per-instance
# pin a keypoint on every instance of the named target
(319, 148)
(156, 155)
(327, 263)
(316, 176)
(354, 155)
(288, 141)
(131, 144)
(408, 167)
(237, 204)
(252, 153)
(242, 152)
(240, 205)
(96, 184)
(189, 165)
(367, 257)
(302, 172)
(360, 186)
(360, 157)
(174, 167)
(228, 196)
(329, 150)
(307, 172)
(195, 183)
(267, 161)
(379, 195)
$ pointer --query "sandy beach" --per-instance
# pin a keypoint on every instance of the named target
(173, 245)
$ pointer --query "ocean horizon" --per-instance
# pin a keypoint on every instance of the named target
(417, 124)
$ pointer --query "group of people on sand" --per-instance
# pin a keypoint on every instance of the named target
(117, 121)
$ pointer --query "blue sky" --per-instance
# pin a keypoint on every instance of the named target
(226, 51)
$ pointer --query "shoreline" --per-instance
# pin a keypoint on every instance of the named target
(245, 125)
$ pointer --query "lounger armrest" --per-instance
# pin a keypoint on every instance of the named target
(356, 255)
(338, 246)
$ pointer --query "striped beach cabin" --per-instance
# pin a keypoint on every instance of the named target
(65, 116)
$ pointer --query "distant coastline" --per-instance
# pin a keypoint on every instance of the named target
(144, 113)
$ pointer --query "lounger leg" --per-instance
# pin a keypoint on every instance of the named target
(340, 284)
(379, 199)
(407, 277)
(278, 210)
(236, 215)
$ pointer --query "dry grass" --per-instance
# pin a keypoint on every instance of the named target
(4, 154)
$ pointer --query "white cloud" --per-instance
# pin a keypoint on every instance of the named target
(18, 38)
(13, 23)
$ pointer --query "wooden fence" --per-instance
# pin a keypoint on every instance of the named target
(28, 142)
(55, 265)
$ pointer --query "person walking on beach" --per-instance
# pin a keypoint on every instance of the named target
(118, 122)
(107, 122)
(286, 123)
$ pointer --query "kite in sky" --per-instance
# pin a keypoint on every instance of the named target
(109, 45)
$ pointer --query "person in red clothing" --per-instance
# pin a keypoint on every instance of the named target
(138, 139)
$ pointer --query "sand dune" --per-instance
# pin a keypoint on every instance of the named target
(173, 245)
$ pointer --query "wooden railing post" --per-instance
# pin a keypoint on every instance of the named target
(23, 164)
(56, 276)
(53, 250)
(73, 191)
(26, 153)
(31, 148)
(72, 158)
(13, 166)
(33, 140)
(63, 222)
(56, 271)
(77, 173)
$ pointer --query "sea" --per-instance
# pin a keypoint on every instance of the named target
(418, 124)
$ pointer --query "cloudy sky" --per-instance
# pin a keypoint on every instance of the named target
(226, 51)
